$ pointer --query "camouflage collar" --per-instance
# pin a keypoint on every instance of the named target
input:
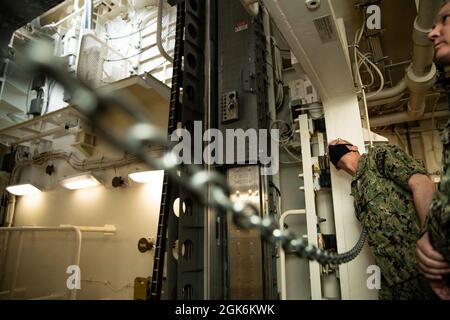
(362, 164)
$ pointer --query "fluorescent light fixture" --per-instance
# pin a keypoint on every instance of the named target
(145, 176)
(26, 189)
(80, 181)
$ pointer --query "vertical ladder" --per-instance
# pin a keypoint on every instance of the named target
(168, 185)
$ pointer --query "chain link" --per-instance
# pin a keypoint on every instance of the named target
(98, 105)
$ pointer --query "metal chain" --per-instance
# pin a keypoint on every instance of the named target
(98, 105)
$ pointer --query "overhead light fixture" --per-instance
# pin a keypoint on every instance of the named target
(25, 189)
(145, 176)
(80, 181)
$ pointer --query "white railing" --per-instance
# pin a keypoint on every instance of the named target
(107, 230)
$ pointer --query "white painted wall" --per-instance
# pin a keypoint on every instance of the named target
(133, 210)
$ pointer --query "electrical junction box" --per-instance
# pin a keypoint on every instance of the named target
(230, 107)
(303, 92)
(36, 106)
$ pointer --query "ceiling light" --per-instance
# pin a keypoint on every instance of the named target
(26, 189)
(80, 181)
(145, 176)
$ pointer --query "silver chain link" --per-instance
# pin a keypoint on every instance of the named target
(98, 105)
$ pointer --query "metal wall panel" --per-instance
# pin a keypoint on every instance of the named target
(244, 247)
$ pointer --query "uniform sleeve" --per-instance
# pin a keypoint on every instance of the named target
(397, 165)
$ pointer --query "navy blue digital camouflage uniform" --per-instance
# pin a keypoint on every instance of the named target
(384, 205)
(438, 220)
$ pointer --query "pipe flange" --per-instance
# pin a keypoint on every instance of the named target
(419, 28)
(420, 83)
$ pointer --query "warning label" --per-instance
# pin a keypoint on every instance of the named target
(241, 25)
(324, 27)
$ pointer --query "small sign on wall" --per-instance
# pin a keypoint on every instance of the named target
(240, 26)
(325, 29)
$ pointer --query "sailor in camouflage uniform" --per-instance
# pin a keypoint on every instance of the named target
(391, 206)
(436, 231)
(437, 228)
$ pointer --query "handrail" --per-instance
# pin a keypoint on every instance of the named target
(106, 229)
(77, 253)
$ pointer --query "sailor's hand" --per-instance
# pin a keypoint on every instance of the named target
(431, 262)
(441, 288)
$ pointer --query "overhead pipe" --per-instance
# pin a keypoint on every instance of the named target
(159, 33)
(388, 95)
(88, 13)
(421, 74)
(401, 117)
(381, 102)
